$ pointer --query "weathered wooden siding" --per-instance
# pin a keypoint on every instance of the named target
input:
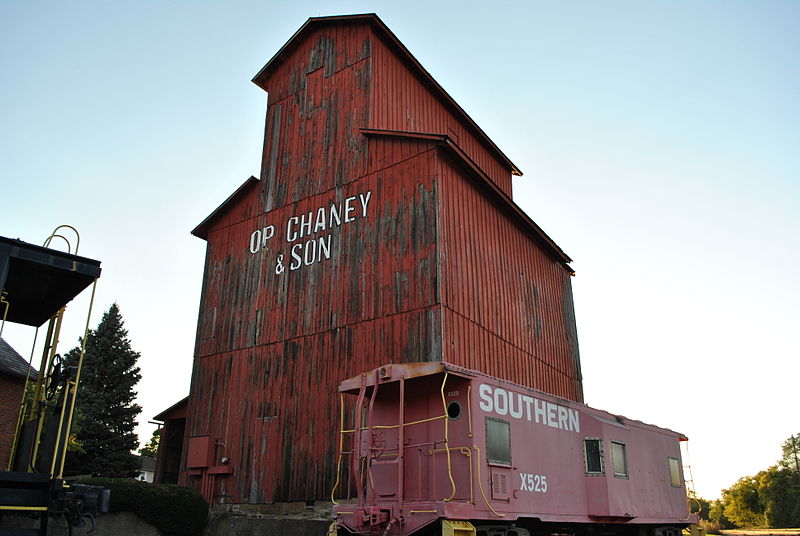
(507, 303)
(402, 101)
(318, 101)
(379, 265)
(428, 268)
(272, 347)
(274, 406)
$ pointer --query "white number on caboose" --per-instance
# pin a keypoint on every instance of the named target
(535, 483)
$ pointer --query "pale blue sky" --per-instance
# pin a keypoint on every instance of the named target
(659, 142)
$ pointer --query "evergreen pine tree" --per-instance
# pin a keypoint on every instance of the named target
(106, 401)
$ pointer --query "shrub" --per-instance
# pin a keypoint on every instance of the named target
(174, 510)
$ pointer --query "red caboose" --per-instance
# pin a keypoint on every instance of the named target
(420, 443)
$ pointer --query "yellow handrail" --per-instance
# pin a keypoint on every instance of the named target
(480, 484)
(47, 364)
(341, 447)
(465, 451)
(446, 444)
(77, 376)
(388, 426)
(69, 245)
(4, 301)
(469, 408)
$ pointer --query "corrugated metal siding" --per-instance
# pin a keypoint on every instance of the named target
(400, 101)
(508, 307)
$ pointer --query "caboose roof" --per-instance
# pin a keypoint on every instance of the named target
(395, 371)
(41, 280)
(394, 44)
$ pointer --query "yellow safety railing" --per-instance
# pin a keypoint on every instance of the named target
(480, 484)
(74, 385)
(446, 443)
(62, 237)
(37, 408)
(445, 448)
(465, 451)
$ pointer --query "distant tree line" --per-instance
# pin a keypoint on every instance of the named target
(769, 499)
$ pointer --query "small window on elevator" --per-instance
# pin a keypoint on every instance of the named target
(498, 441)
(619, 459)
(675, 472)
(593, 455)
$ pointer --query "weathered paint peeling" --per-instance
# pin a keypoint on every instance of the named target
(430, 271)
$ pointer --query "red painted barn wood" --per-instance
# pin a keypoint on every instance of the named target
(381, 230)
(170, 444)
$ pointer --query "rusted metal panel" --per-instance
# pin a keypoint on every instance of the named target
(355, 250)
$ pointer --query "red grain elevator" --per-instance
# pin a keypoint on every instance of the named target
(382, 230)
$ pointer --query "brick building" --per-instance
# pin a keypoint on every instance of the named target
(13, 371)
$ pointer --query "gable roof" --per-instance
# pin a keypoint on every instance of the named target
(12, 363)
(176, 408)
(508, 205)
(201, 231)
(402, 52)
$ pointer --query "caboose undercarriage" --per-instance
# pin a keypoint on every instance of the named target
(534, 527)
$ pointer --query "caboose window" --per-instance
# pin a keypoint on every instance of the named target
(619, 459)
(593, 454)
(675, 472)
(498, 441)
